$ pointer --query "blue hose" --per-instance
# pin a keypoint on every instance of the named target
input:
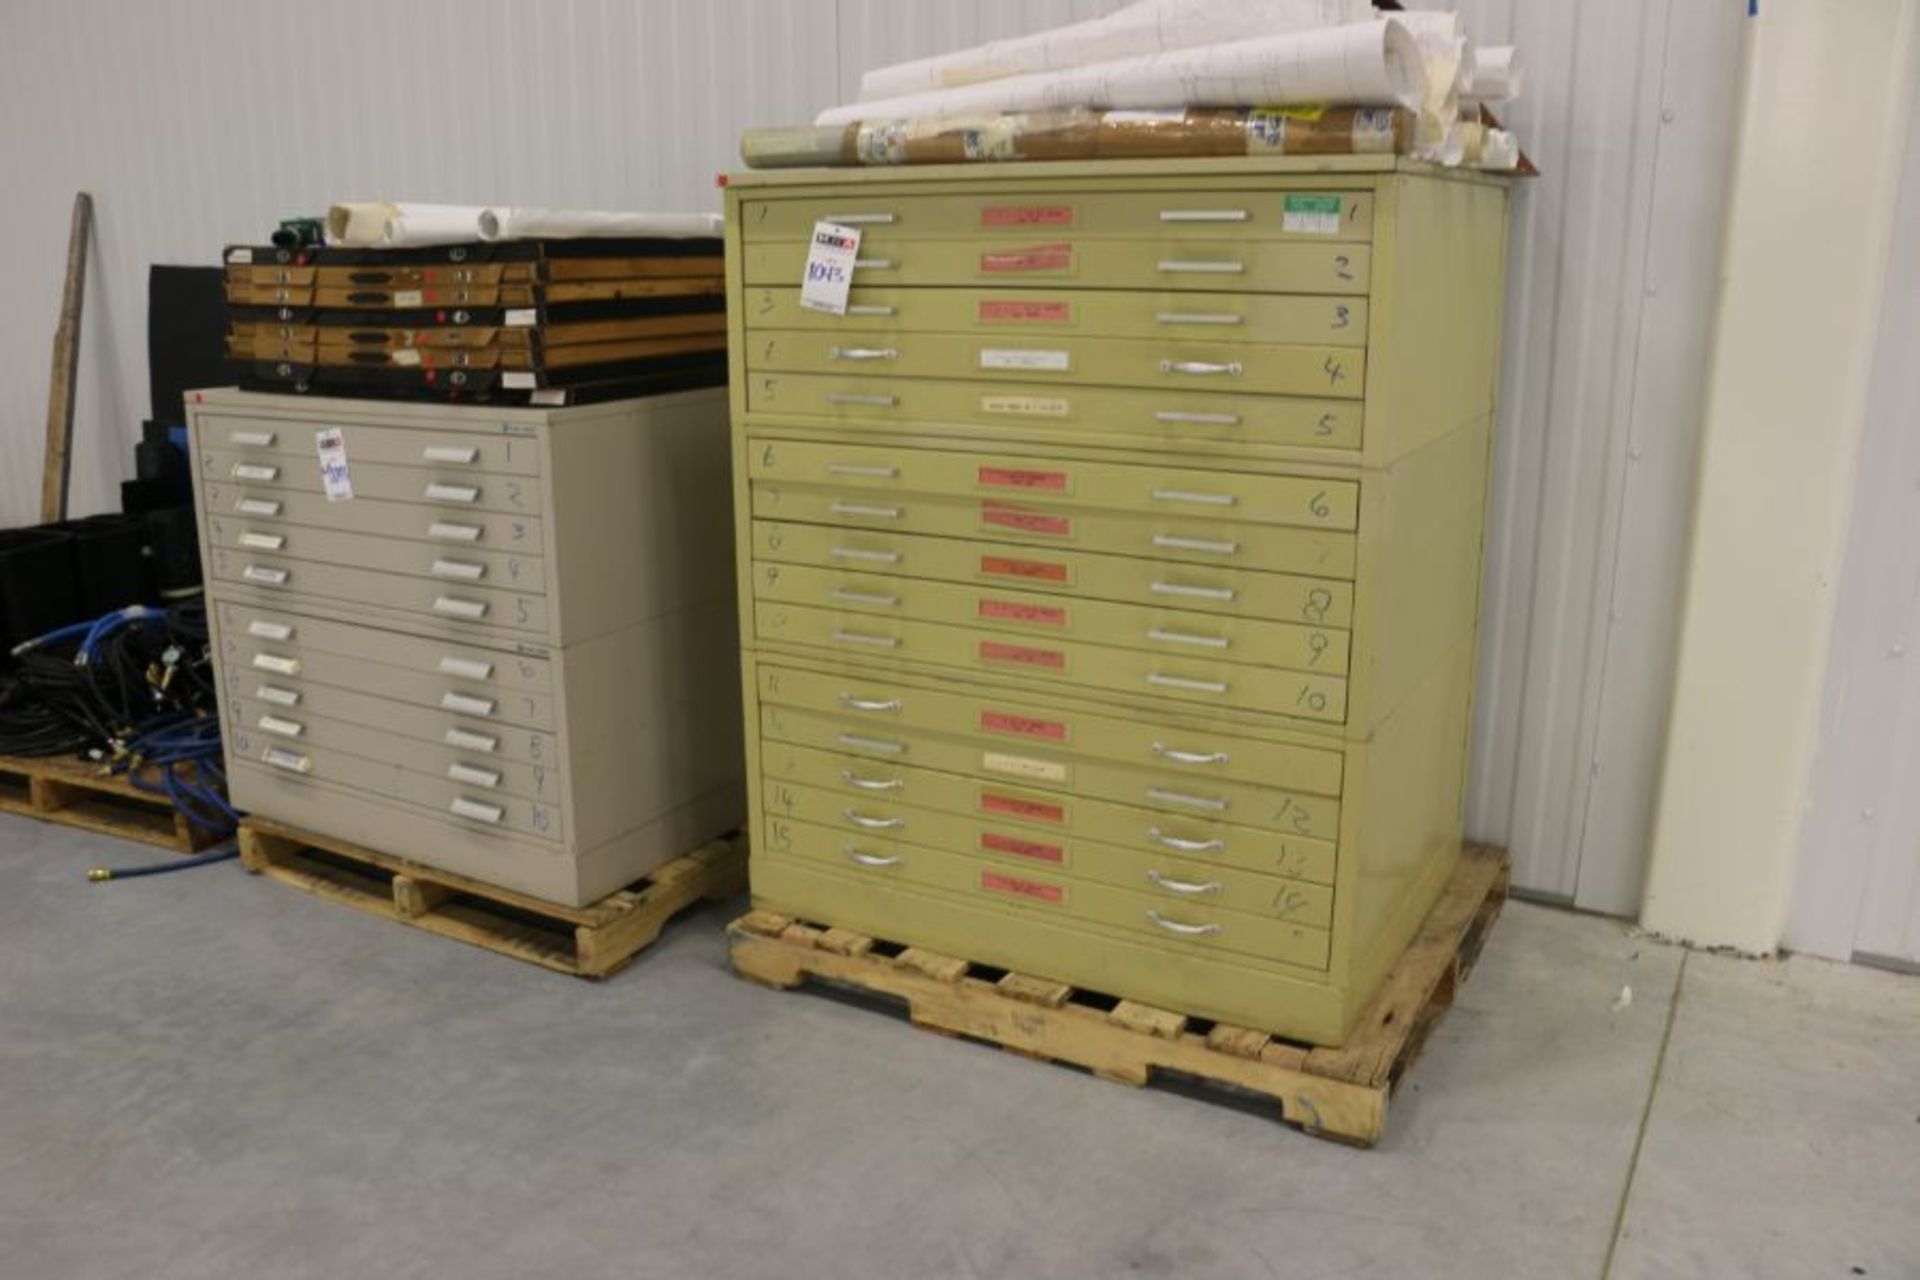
(223, 853)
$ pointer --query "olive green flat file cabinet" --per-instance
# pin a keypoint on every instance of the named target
(1109, 572)
(499, 642)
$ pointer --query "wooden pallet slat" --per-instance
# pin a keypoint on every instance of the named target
(78, 793)
(594, 941)
(1334, 1093)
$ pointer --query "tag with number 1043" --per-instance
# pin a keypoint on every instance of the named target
(829, 273)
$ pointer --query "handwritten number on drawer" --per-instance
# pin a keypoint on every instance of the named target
(1342, 266)
(781, 835)
(766, 457)
(1293, 815)
(513, 492)
(1318, 505)
(1311, 699)
(1319, 600)
(1324, 427)
(1317, 644)
(1342, 317)
(520, 611)
(536, 747)
(519, 531)
(1336, 371)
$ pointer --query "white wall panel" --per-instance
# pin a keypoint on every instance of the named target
(196, 123)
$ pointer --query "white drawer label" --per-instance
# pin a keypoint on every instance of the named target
(1027, 406)
(1022, 358)
(828, 276)
(1023, 766)
(333, 464)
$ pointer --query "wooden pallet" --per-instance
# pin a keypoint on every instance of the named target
(594, 941)
(76, 793)
(1339, 1093)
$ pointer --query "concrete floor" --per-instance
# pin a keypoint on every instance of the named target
(209, 1075)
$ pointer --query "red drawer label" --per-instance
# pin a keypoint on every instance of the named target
(1039, 891)
(1037, 570)
(1023, 726)
(1025, 519)
(994, 842)
(1023, 478)
(1040, 257)
(1027, 215)
(1051, 659)
(1045, 615)
(1007, 311)
(1016, 806)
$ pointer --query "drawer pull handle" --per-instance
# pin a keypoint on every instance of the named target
(447, 531)
(860, 509)
(843, 636)
(863, 353)
(870, 859)
(856, 703)
(467, 740)
(1164, 636)
(873, 824)
(467, 454)
(873, 264)
(290, 761)
(261, 629)
(858, 553)
(859, 219)
(853, 779)
(1199, 317)
(1169, 542)
(473, 775)
(262, 541)
(465, 808)
(1160, 837)
(250, 471)
(844, 596)
(466, 704)
(1191, 888)
(881, 745)
(853, 469)
(1178, 756)
(1203, 368)
(1227, 594)
(254, 439)
(1185, 930)
(1203, 215)
(848, 397)
(451, 493)
(1212, 804)
(279, 727)
(275, 663)
(265, 574)
(277, 696)
(1198, 499)
(1181, 267)
(257, 507)
(870, 309)
(465, 668)
(455, 607)
(1203, 419)
(463, 569)
(1183, 682)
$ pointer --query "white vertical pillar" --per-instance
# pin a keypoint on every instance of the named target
(1827, 101)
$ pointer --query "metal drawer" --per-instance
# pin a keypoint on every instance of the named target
(477, 701)
(448, 488)
(1292, 646)
(514, 450)
(882, 217)
(421, 521)
(459, 806)
(475, 739)
(1044, 261)
(1165, 363)
(512, 671)
(458, 603)
(1041, 815)
(1078, 574)
(455, 565)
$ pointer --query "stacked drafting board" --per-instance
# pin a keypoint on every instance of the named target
(540, 322)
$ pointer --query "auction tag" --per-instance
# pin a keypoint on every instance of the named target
(333, 464)
(829, 274)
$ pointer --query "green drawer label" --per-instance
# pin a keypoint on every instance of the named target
(1313, 215)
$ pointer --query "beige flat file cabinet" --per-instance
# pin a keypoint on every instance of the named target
(499, 643)
(1109, 571)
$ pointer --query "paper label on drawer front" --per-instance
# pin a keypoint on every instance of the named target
(409, 298)
(995, 842)
(1031, 570)
(1027, 406)
(1040, 257)
(1314, 215)
(1008, 516)
(1020, 886)
(1023, 726)
(1023, 655)
(1021, 358)
(828, 277)
(334, 476)
(1027, 215)
(1021, 478)
(1011, 311)
(1023, 766)
(1039, 615)
(1021, 807)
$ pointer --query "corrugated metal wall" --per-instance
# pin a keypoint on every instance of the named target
(194, 124)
